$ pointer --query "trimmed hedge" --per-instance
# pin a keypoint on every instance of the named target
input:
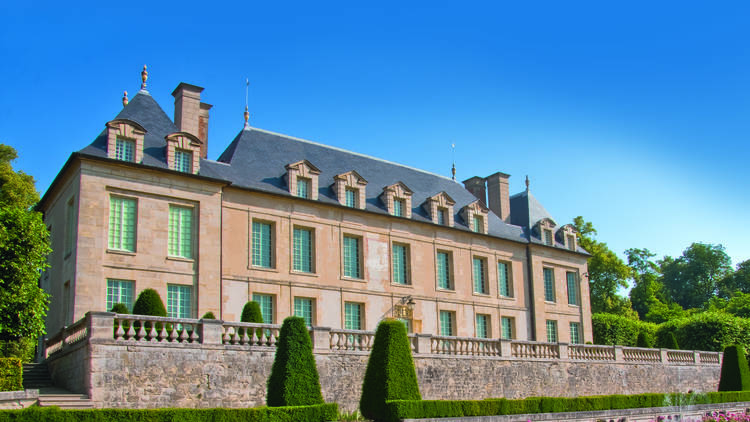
(294, 376)
(390, 373)
(315, 413)
(120, 308)
(251, 313)
(612, 329)
(11, 374)
(735, 374)
(415, 409)
(643, 341)
(710, 331)
(149, 303)
(208, 315)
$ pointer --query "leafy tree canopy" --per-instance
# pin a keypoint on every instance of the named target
(738, 281)
(693, 278)
(16, 187)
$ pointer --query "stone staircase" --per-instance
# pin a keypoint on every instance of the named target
(36, 376)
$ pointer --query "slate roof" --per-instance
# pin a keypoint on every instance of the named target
(256, 160)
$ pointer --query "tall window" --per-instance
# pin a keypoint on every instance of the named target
(124, 149)
(119, 291)
(266, 307)
(179, 301)
(480, 275)
(303, 255)
(503, 279)
(303, 308)
(183, 160)
(180, 231)
(398, 207)
(351, 197)
(571, 242)
(548, 237)
(352, 264)
(572, 288)
(400, 264)
(352, 316)
(447, 323)
(70, 226)
(122, 224)
(262, 244)
(575, 333)
(444, 271)
(507, 326)
(477, 224)
(442, 216)
(551, 331)
(549, 285)
(303, 187)
(483, 326)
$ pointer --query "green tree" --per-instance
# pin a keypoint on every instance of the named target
(607, 273)
(646, 285)
(693, 278)
(738, 281)
(735, 374)
(739, 305)
(294, 376)
(24, 246)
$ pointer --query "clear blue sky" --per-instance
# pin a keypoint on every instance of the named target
(635, 116)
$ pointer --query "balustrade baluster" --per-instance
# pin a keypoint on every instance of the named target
(131, 332)
(119, 332)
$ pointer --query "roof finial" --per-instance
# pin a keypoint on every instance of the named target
(124, 98)
(527, 183)
(247, 114)
(453, 168)
(144, 76)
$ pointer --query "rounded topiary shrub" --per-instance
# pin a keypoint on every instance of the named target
(251, 313)
(294, 376)
(149, 303)
(208, 315)
(735, 374)
(120, 308)
(390, 373)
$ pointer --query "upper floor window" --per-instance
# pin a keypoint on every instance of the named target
(122, 224)
(351, 197)
(398, 207)
(266, 304)
(567, 236)
(575, 333)
(262, 245)
(125, 149)
(447, 323)
(183, 152)
(551, 331)
(303, 250)
(507, 328)
(477, 225)
(572, 288)
(352, 257)
(440, 209)
(549, 285)
(183, 161)
(179, 301)
(475, 215)
(444, 278)
(503, 279)
(548, 237)
(302, 179)
(479, 273)
(303, 187)
(353, 316)
(349, 188)
(70, 226)
(482, 326)
(397, 199)
(442, 216)
(400, 263)
(571, 242)
(304, 308)
(543, 228)
(180, 231)
(125, 140)
(120, 291)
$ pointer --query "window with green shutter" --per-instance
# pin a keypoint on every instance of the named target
(262, 244)
(549, 285)
(575, 333)
(352, 264)
(302, 254)
(352, 316)
(507, 324)
(183, 160)
(444, 271)
(503, 279)
(179, 301)
(447, 323)
(572, 288)
(351, 197)
(551, 331)
(303, 308)
(398, 207)
(180, 231)
(266, 307)
(120, 291)
(122, 215)
(482, 326)
(303, 187)
(480, 275)
(125, 150)
(400, 264)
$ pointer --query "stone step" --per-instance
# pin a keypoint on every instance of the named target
(36, 375)
(66, 401)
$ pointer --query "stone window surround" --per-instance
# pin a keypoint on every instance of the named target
(563, 236)
(451, 266)
(125, 129)
(437, 201)
(187, 142)
(509, 267)
(485, 260)
(545, 224)
(273, 242)
(352, 180)
(313, 252)
(396, 191)
(407, 262)
(476, 208)
(304, 169)
(362, 254)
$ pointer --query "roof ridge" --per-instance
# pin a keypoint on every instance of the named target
(352, 152)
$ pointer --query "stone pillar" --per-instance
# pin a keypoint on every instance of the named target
(664, 357)
(100, 325)
(563, 348)
(424, 344)
(505, 349)
(618, 354)
(210, 330)
(696, 357)
(321, 339)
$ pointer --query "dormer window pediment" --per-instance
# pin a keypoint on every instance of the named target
(183, 152)
(349, 188)
(302, 179)
(566, 235)
(545, 229)
(475, 215)
(440, 209)
(397, 199)
(125, 140)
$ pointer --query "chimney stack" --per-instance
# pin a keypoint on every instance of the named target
(190, 114)
(475, 185)
(498, 194)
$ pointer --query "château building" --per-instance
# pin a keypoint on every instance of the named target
(339, 238)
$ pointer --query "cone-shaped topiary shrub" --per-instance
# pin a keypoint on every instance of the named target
(294, 376)
(119, 308)
(643, 340)
(251, 313)
(390, 373)
(735, 374)
(208, 315)
(671, 342)
(149, 303)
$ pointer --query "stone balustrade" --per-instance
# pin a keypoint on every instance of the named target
(167, 332)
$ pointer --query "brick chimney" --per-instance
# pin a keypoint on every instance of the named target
(498, 195)
(475, 185)
(190, 114)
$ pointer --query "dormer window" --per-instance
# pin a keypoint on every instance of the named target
(544, 229)
(548, 237)
(302, 179)
(183, 152)
(350, 189)
(125, 140)
(440, 209)
(567, 236)
(397, 199)
(475, 216)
